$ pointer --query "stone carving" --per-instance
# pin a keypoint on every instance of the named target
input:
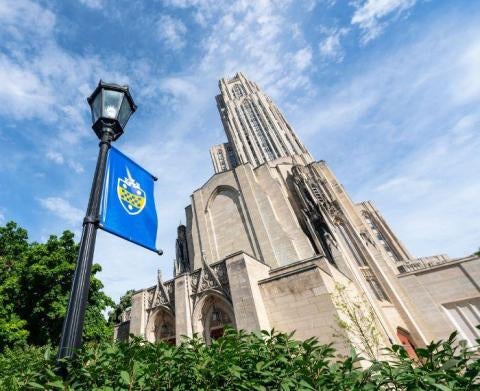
(210, 278)
(161, 294)
(149, 296)
(319, 213)
(367, 238)
(194, 279)
(182, 262)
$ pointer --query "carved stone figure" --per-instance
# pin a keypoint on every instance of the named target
(314, 205)
(182, 262)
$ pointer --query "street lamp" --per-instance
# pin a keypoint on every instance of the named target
(111, 106)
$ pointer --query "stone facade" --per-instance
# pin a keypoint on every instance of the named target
(272, 240)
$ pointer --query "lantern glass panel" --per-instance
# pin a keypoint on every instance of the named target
(125, 112)
(111, 103)
(97, 107)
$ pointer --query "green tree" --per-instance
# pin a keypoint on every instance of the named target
(35, 280)
(13, 244)
(125, 302)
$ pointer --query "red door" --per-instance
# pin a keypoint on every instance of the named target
(404, 338)
(216, 333)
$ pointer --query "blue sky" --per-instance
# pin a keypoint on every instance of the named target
(386, 91)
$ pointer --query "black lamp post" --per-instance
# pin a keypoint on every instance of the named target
(111, 105)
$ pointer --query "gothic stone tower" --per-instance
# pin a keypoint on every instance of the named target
(272, 239)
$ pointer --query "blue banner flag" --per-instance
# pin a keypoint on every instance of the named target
(128, 205)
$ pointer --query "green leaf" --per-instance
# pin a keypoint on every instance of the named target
(125, 377)
(450, 364)
(56, 384)
(36, 385)
(442, 387)
(305, 385)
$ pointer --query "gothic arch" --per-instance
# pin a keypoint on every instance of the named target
(161, 326)
(211, 314)
(228, 224)
(219, 189)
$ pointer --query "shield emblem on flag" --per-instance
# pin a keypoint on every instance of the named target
(131, 195)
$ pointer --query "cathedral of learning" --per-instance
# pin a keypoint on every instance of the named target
(273, 240)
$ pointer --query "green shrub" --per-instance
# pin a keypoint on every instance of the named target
(240, 361)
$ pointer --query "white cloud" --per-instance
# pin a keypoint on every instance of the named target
(23, 93)
(172, 32)
(75, 166)
(62, 208)
(94, 4)
(331, 46)
(303, 58)
(252, 37)
(22, 18)
(56, 157)
(402, 133)
(371, 15)
(468, 87)
(433, 203)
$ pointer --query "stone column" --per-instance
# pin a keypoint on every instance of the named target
(183, 312)
(244, 273)
(137, 314)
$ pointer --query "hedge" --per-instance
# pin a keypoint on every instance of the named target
(241, 361)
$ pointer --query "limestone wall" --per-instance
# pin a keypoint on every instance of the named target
(447, 297)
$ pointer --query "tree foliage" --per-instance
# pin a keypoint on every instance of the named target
(118, 309)
(357, 319)
(240, 361)
(35, 280)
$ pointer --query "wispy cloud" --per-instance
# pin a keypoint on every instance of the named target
(385, 142)
(171, 32)
(372, 16)
(63, 209)
(303, 58)
(251, 37)
(331, 47)
(432, 203)
(56, 157)
(94, 4)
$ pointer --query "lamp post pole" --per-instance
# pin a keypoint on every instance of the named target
(111, 106)
(73, 323)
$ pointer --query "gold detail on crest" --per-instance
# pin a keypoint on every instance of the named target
(132, 199)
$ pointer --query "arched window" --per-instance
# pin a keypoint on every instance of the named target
(238, 91)
(163, 327)
(217, 322)
(212, 316)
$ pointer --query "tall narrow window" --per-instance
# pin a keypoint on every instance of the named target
(377, 289)
(221, 160)
(238, 91)
(257, 129)
(231, 156)
(380, 237)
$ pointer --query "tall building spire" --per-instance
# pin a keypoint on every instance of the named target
(256, 130)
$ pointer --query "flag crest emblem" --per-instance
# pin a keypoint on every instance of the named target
(128, 201)
(130, 194)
